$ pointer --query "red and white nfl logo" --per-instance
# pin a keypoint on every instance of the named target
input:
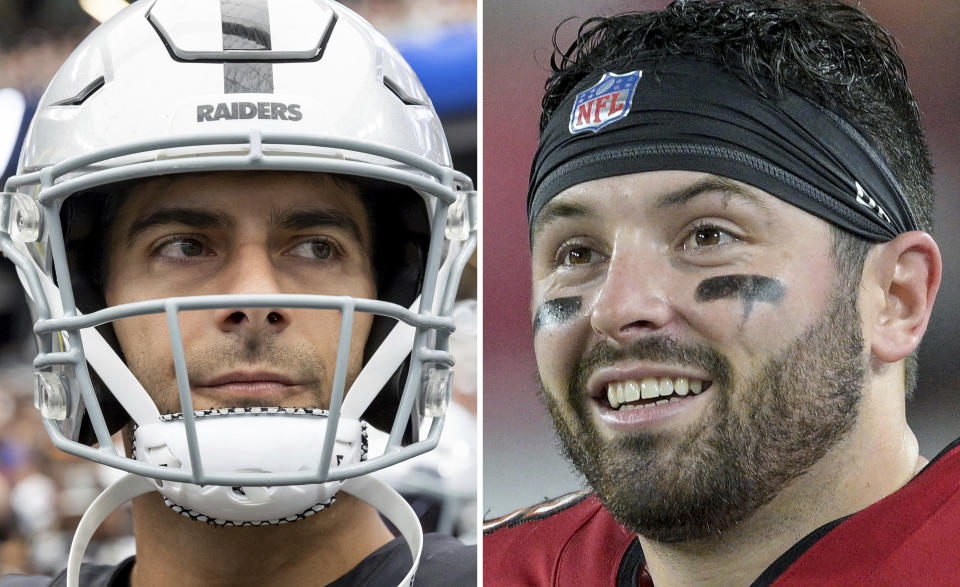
(607, 101)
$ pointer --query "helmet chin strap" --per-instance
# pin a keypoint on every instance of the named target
(391, 504)
(379, 368)
(120, 492)
(386, 359)
(376, 493)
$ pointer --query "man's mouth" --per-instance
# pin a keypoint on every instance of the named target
(247, 386)
(248, 378)
(633, 394)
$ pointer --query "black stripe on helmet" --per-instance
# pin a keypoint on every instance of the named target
(246, 26)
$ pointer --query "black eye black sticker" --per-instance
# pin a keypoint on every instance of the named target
(749, 288)
(557, 311)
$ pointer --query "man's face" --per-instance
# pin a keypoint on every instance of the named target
(241, 233)
(721, 308)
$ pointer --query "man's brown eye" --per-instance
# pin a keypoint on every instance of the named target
(705, 237)
(708, 236)
(579, 256)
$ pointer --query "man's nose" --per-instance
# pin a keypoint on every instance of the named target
(250, 270)
(632, 302)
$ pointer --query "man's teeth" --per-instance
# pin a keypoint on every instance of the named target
(624, 392)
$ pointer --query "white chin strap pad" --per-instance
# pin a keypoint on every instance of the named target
(250, 440)
(376, 493)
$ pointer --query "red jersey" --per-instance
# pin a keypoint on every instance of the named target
(911, 537)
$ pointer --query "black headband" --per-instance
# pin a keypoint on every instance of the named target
(690, 114)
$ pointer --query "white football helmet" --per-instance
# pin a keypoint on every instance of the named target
(181, 86)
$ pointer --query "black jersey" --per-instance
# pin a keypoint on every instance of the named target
(445, 561)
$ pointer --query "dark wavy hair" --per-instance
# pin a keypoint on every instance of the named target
(832, 52)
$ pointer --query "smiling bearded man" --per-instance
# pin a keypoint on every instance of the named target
(761, 432)
(730, 278)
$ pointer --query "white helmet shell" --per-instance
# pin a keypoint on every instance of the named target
(165, 68)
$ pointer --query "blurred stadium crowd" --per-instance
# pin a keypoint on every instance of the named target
(43, 492)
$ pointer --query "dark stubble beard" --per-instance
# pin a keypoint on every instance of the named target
(759, 434)
(298, 362)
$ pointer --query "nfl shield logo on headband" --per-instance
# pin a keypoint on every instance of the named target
(607, 101)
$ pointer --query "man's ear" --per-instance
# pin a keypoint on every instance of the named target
(907, 271)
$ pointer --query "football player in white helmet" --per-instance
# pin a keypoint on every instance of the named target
(240, 234)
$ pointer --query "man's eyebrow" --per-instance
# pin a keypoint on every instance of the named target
(302, 219)
(192, 217)
(558, 210)
(554, 211)
(726, 186)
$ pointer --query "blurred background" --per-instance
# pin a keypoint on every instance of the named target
(521, 464)
(43, 492)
